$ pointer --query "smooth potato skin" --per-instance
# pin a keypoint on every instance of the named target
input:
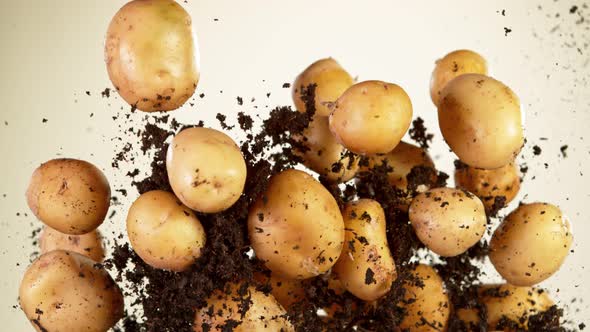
(72, 292)
(285, 291)
(296, 227)
(69, 195)
(89, 244)
(531, 244)
(206, 169)
(151, 54)
(490, 183)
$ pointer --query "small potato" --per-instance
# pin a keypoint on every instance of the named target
(365, 266)
(66, 291)
(530, 245)
(480, 119)
(285, 291)
(152, 55)
(206, 169)
(452, 65)
(448, 221)
(224, 308)
(89, 244)
(325, 155)
(71, 196)
(489, 184)
(331, 81)
(296, 227)
(371, 117)
(427, 307)
(163, 232)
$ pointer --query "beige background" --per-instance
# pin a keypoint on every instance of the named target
(51, 53)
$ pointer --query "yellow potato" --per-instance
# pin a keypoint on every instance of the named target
(452, 65)
(285, 291)
(448, 221)
(163, 232)
(66, 291)
(331, 81)
(263, 313)
(325, 155)
(371, 117)
(365, 266)
(427, 307)
(490, 183)
(69, 195)
(89, 244)
(206, 169)
(296, 227)
(530, 245)
(480, 119)
(152, 54)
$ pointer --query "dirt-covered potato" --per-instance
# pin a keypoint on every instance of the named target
(365, 266)
(371, 117)
(296, 227)
(89, 244)
(455, 64)
(426, 301)
(530, 245)
(66, 291)
(480, 119)
(163, 232)
(322, 153)
(487, 184)
(206, 169)
(152, 54)
(331, 81)
(285, 291)
(243, 304)
(448, 221)
(69, 195)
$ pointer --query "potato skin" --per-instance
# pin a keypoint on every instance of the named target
(480, 119)
(296, 227)
(531, 244)
(371, 117)
(448, 221)
(151, 54)
(206, 169)
(72, 292)
(365, 266)
(490, 183)
(89, 244)
(69, 195)
(163, 232)
(285, 291)
(331, 81)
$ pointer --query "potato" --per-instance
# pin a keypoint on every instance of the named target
(152, 55)
(296, 227)
(331, 81)
(427, 307)
(325, 155)
(480, 119)
(206, 169)
(448, 221)
(71, 196)
(66, 291)
(530, 245)
(452, 65)
(487, 184)
(371, 117)
(285, 291)
(365, 266)
(163, 232)
(226, 307)
(89, 244)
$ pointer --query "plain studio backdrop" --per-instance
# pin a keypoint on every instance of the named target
(52, 53)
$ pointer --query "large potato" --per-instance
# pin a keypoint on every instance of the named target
(163, 232)
(152, 54)
(296, 227)
(487, 184)
(66, 291)
(69, 195)
(365, 266)
(206, 169)
(530, 245)
(89, 244)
